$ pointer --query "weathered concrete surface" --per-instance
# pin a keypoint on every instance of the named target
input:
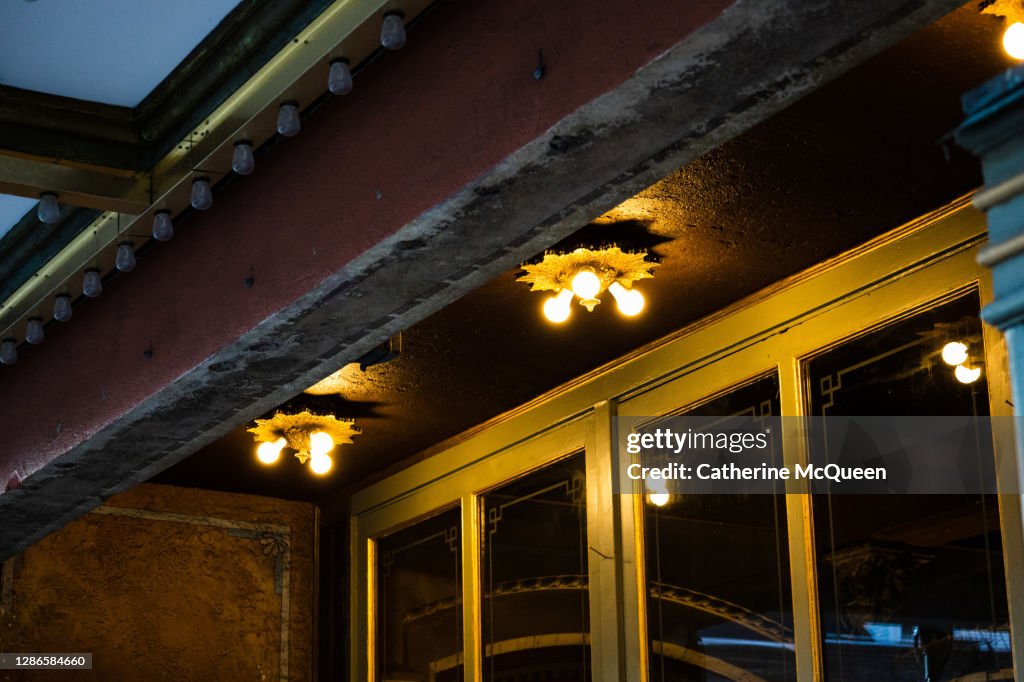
(453, 166)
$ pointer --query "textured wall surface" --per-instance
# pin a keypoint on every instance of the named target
(165, 583)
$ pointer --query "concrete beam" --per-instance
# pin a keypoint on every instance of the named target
(449, 165)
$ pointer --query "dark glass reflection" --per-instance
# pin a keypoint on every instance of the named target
(419, 601)
(536, 617)
(912, 586)
(719, 604)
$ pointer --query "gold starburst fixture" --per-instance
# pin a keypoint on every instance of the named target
(310, 436)
(587, 273)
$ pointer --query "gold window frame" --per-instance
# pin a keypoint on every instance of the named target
(903, 271)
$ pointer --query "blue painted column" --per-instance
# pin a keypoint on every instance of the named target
(994, 131)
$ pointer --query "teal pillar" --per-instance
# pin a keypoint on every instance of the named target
(994, 131)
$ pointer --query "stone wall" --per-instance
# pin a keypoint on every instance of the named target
(169, 583)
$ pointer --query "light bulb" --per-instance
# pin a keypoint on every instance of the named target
(34, 333)
(557, 308)
(954, 353)
(629, 301)
(202, 195)
(320, 464)
(62, 308)
(243, 161)
(270, 452)
(392, 31)
(586, 284)
(967, 375)
(339, 77)
(1013, 40)
(48, 210)
(288, 122)
(163, 226)
(320, 443)
(92, 285)
(8, 352)
(125, 258)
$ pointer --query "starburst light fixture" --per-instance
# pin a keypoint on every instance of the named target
(310, 436)
(586, 274)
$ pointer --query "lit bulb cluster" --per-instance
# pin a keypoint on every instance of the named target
(658, 495)
(586, 285)
(310, 436)
(585, 274)
(318, 455)
(956, 354)
(243, 162)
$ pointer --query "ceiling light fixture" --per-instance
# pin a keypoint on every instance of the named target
(48, 210)
(62, 308)
(8, 352)
(339, 77)
(586, 273)
(202, 194)
(392, 31)
(243, 161)
(163, 226)
(288, 121)
(310, 436)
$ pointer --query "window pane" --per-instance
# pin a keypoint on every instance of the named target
(719, 604)
(419, 599)
(536, 619)
(911, 586)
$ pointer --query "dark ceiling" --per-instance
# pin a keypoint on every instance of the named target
(856, 158)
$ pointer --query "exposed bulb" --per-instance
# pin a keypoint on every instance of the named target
(48, 210)
(62, 308)
(320, 443)
(967, 375)
(92, 285)
(954, 353)
(586, 284)
(202, 194)
(629, 301)
(163, 226)
(558, 308)
(124, 261)
(8, 352)
(288, 122)
(1013, 40)
(320, 464)
(270, 452)
(339, 77)
(243, 161)
(34, 333)
(392, 31)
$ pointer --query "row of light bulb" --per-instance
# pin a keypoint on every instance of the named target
(243, 162)
(587, 285)
(320, 444)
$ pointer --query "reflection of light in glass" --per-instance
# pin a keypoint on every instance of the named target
(557, 308)
(967, 375)
(954, 353)
(658, 496)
